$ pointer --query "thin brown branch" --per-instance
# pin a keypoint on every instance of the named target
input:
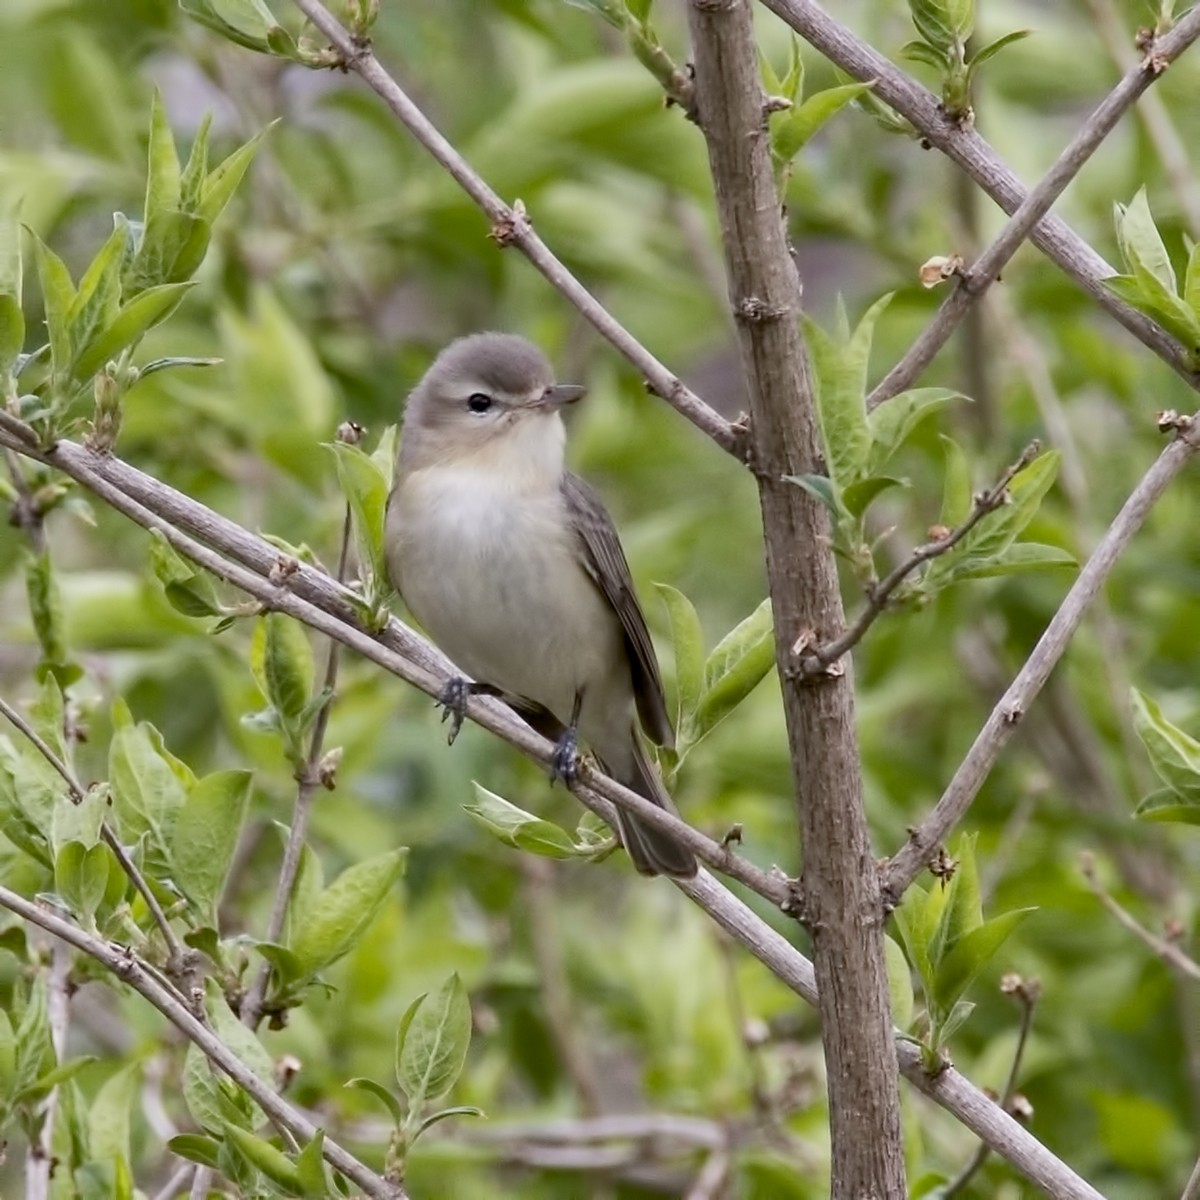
(1026, 993)
(818, 659)
(511, 226)
(1191, 1189)
(1152, 110)
(911, 859)
(178, 955)
(39, 1159)
(138, 974)
(1166, 950)
(841, 903)
(309, 782)
(974, 155)
(975, 280)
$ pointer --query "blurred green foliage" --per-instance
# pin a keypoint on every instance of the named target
(344, 261)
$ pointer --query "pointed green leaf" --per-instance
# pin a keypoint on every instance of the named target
(1169, 805)
(954, 1022)
(993, 48)
(81, 877)
(342, 912)
(858, 496)
(893, 423)
(1191, 283)
(147, 791)
(740, 661)
(205, 834)
(191, 182)
(1174, 755)
(820, 487)
(956, 490)
(924, 53)
(162, 173)
(58, 294)
(688, 642)
(311, 1168)
(435, 1044)
(109, 1115)
(264, 1157)
(147, 309)
(970, 954)
(516, 827)
(366, 485)
(1019, 558)
(393, 1106)
(1141, 244)
(963, 910)
(222, 182)
(457, 1110)
(12, 319)
(8, 1055)
(188, 589)
(287, 665)
(98, 298)
(791, 129)
(196, 1148)
(899, 977)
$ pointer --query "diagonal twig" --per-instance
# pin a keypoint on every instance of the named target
(911, 858)
(817, 660)
(511, 227)
(975, 280)
(975, 155)
(1170, 953)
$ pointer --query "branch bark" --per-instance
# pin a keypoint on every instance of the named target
(974, 155)
(841, 904)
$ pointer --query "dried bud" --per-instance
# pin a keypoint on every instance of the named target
(1011, 983)
(756, 1032)
(734, 834)
(350, 433)
(1021, 1109)
(511, 226)
(938, 533)
(282, 569)
(938, 269)
(1173, 929)
(286, 1069)
(942, 866)
(328, 766)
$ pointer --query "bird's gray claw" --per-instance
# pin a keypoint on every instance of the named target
(564, 762)
(453, 702)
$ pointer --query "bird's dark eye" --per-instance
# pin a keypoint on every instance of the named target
(477, 402)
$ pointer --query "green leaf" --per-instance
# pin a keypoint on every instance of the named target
(264, 1157)
(162, 173)
(81, 877)
(639, 10)
(243, 22)
(8, 1055)
(963, 909)
(341, 913)
(613, 11)
(1191, 282)
(189, 590)
(196, 1148)
(933, 22)
(58, 294)
(311, 1168)
(515, 827)
(737, 665)
(191, 182)
(840, 370)
(792, 128)
(457, 1110)
(205, 834)
(109, 1115)
(969, 955)
(899, 977)
(96, 303)
(993, 48)
(1017, 559)
(142, 313)
(917, 921)
(956, 490)
(1167, 804)
(820, 487)
(893, 423)
(430, 1057)
(1174, 755)
(1140, 242)
(224, 179)
(393, 1106)
(858, 496)
(688, 642)
(366, 485)
(287, 666)
(924, 53)
(953, 1023)
(146, 788)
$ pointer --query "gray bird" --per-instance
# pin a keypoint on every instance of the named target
(514, 568)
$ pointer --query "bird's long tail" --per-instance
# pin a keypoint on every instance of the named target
(651, 851)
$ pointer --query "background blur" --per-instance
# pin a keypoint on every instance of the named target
(345, 261)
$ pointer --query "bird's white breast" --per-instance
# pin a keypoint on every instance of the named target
(489, 565)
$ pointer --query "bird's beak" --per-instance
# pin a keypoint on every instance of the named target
(558, 395)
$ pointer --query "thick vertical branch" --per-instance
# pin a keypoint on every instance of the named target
(841, 896)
